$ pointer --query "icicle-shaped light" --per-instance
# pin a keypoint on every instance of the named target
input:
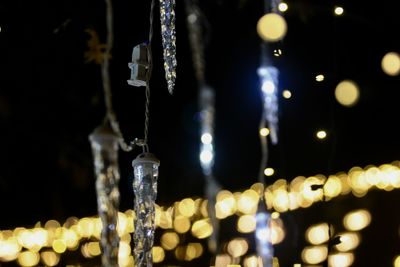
(269, 87)
(167, 17)
(263, 235)
(145, 169)
(105, 151)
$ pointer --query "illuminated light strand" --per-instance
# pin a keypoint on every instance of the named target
(75, 231)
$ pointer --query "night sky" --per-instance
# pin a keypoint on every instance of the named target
(51, 100)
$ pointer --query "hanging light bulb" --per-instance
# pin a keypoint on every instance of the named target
(145, 169)
(263, 235)
(105, 151)
(269, 87)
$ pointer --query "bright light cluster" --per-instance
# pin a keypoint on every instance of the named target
(45, 244)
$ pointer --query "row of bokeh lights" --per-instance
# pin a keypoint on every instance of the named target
(29, 246)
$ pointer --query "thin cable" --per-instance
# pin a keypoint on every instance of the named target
(149, 72)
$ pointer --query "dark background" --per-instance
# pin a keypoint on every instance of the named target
(50, 101)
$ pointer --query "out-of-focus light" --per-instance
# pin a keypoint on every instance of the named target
(283, 7)
(341, 259)
(237, 247)
(275, 215)
(169, 240)
(9, 249)
(347, 93)
(206, 138)
(272, 27)
(186, 207)
(197, 248)
(319, 78)
(181, 224)
(338, 10)
(222, 260)
(59, 246)
(297, 265)
(264, 132)
(206, 156)
(246, 223)
(348, 241)
(396, 261)
(226, 204)
(268, 87)
(318, 234)
(391, 64)
(248, 201)
(158, 254)
(28, 258)
(202, 229)
(49, 258)
(314, 255)
(253, 261)
(52, 224)
(269, 171)
(277, 52)
(321, 134)
(93, 248)
(287, 94)
(357, 220)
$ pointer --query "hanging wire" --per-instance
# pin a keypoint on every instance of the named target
(105, 74)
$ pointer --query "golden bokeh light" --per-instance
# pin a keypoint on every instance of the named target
(319, 77)
(93, 249)
(315, 254)
(338, 10)
(391, 64)
(181, 224)
(202, 229)
(321, 134)
(341, 259)
(59, 246)
(396, 261)
(238, 247)
(357, 220)
(347, 93)
(283, 7)
(264, 132)
(169, 240)
(226, 204)
(272, 27)
(158, 254)
(246, 224)
(49, 258)
(186, 207)
(348, 241)
(253, 261)
(286, 94)
(269, 171)
(317, 234)
(28, 258)
(222, 260)
(248, 202)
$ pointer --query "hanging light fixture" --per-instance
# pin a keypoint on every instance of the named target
(105, 151)
(145, 169)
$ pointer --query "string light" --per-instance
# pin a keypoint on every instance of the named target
(272, 27)
(391, 64)
(283, 7)
(321, 134)
(264, 132)
(338, 10)
(269, 171)
(347, 93)
(286, 94)
(319, 78)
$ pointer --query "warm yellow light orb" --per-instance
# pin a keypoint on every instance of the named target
(269, 171)
(314, 255)
(396, 262)
(321, 134)
(347, 93)
(357, 220)
(391, 64)
(287, 94)
(28, 258)
(264, 132)
(272, 27)
(338, 11)
(283, 7)
(319, 78)
(318, 234)
(246, 224)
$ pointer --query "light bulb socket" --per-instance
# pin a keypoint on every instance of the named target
(145, 158)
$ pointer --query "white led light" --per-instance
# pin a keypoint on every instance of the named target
(206, 138)
(206, 156)
(268, 87)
